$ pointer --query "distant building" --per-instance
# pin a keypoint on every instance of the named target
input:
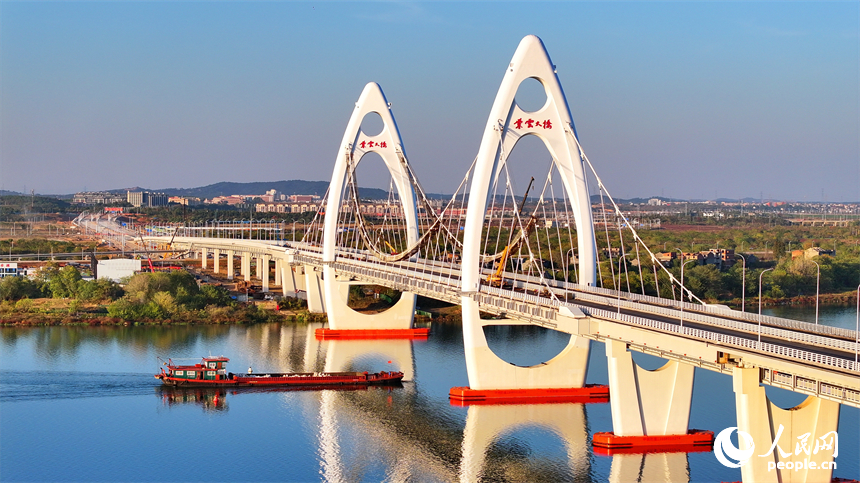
(655, 202)
(145, 198)
(817, 251)
(118, 268)
(97, 198)
(181, 200)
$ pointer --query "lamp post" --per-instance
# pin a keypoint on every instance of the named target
(817, 286)
(294, 232)
(743, 282)
(759, 301)
(619, 281)
(682, 289)
(857, 329)
(567, 255)
(765, 247)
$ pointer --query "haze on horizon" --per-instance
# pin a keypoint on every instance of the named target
(688, 100)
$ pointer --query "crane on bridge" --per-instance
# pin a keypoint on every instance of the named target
(497, 279)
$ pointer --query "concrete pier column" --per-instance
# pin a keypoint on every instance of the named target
(203, 255)
(315, 291)
(259, 267)
(263, 266)
(230, 255)
(278, 263)
(246, 266)
(216, 260)
(647, 403)
(288, 280)
(342, 317)
(489, 372)
(784, 441)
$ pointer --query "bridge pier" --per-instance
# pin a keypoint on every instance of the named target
(278, 263)
(230, 255)
(203, 255)
(288, 280)
(258, 266)
(315, 291)
(487, 423)
(246, 266)
(216, 260)
(649, 408)
(263, 269)
(346, 322)
(493, 378)
(796, 437)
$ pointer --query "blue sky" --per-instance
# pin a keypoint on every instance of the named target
(682, 99)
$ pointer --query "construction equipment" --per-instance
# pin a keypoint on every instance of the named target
(514, 243)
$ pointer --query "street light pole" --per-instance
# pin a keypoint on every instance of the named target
(683, 263)
(619, 281)
(857, 329)
(759, 301)
(817, 286)
(743, 282)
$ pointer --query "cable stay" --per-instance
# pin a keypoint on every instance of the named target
(620, 214)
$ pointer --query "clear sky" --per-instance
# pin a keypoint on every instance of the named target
(682, 99)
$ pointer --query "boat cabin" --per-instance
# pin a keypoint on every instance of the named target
(210, 369)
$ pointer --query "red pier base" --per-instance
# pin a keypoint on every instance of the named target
(695, 440)
(591, 393)
(324, 334)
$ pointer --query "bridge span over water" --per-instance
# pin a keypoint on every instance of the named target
(549, 259)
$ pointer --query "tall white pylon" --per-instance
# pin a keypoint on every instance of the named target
(507, 124)
(356, 143)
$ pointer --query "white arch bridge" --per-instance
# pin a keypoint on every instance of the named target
(544, 257)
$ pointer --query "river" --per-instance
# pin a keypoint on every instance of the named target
(80, 404)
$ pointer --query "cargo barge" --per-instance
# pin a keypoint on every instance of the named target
(212, 372)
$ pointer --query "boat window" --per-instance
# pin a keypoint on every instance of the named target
(212, 365)
(191, 374)
(179, 373)
(210, 373)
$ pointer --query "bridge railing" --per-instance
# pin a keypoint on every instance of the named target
(692, 307)
(730, 324)
(729, 340)
(748, 316)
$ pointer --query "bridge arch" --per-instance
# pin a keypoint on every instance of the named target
(508, 123)
(356, 144)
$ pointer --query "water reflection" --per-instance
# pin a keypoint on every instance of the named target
(58, 382)
(210, 399)
(488, 425)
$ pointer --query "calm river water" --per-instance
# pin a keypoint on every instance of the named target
(80, 404)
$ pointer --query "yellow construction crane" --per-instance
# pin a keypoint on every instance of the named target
(496, 279)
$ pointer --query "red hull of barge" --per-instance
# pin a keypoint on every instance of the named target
(280, 380)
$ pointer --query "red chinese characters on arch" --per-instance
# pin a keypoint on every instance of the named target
(372, 144)
(532, 123)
